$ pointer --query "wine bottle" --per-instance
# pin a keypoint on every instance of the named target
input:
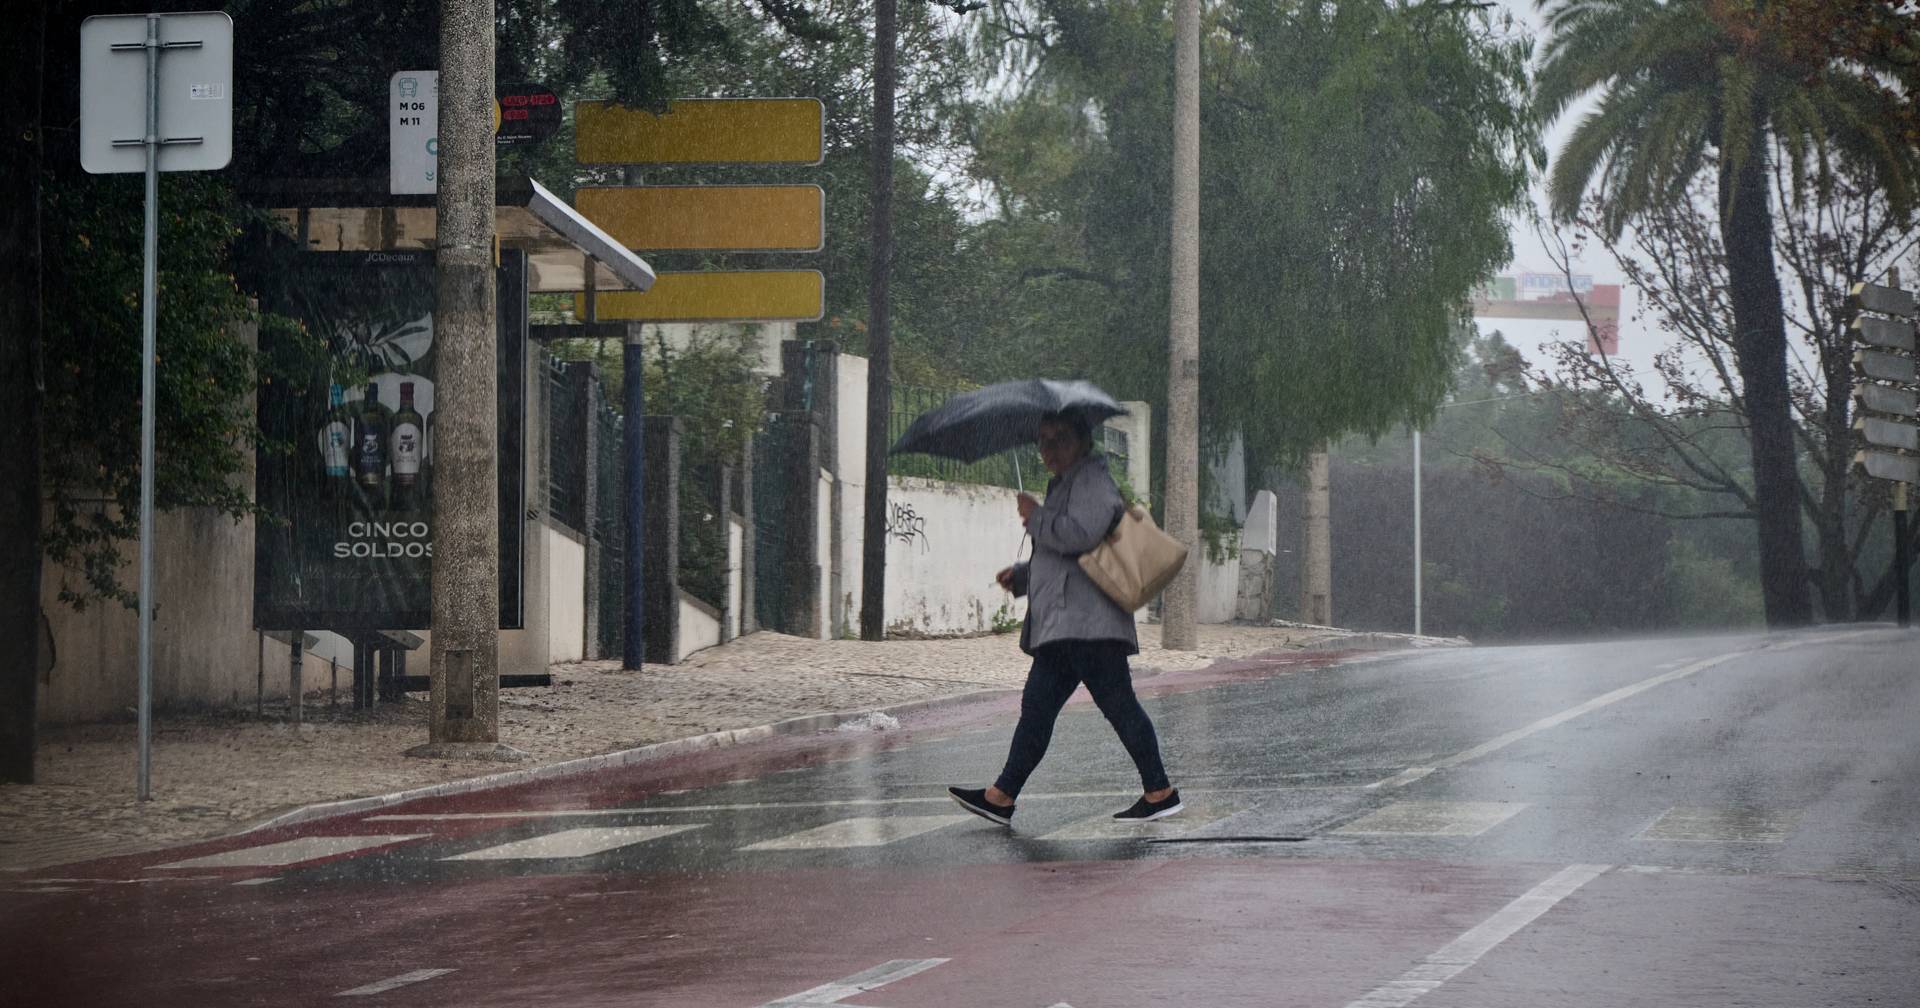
(334, 437)
(370, 447)
(406, 451)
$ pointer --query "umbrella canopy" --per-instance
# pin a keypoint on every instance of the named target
(973, 425)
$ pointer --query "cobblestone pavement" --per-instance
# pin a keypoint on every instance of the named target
(216, 771)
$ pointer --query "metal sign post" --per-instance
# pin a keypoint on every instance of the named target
(193, 99)
(1884, 400)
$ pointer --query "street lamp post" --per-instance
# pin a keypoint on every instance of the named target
(1416, 532)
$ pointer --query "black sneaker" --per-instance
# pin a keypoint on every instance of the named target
(1144, 810)
(975, 801)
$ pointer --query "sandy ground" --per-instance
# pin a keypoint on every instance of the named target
(218, 770)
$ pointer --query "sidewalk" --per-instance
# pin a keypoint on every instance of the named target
(219, 771)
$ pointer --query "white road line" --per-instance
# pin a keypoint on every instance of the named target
(1605, 699)
(1502, 741)
(258, 881)
(1457, 955)
(287, 852)
(859, 983)
(1402, 778)
(1722, 825)
(1434, 818)
(382, 986)
(571, 843)
(861, 831)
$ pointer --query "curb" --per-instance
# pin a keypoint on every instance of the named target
(805, 724)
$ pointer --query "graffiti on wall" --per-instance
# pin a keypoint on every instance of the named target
(906, 525)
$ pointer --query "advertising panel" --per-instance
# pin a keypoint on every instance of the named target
(346, 463)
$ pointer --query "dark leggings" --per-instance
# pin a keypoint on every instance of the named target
(1057, 669)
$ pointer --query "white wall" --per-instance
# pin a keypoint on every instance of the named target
(699, 629)
(736, 579)
(823, 551)
(945, 542)
(1138, 426)
(566, 596)
(850, 436)
(1219, 585)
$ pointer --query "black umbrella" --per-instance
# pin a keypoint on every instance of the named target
(986, 421)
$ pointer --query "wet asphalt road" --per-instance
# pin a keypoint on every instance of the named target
(1714, 820)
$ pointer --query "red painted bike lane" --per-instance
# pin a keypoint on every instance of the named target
(1218, 932)
(1212, 932)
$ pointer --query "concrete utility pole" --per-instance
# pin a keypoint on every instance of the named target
(1177, 629)
(1316, 552)
(465, 661)
(873, 544)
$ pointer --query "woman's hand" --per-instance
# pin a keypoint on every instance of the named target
(1026, 503)
(1005, 578)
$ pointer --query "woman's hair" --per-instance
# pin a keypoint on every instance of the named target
(1073, 420)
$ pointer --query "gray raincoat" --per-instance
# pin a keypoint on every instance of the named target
(1063, 604)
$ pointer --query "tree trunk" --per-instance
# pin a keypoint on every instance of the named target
(873, 527)
(20, 391)
(1760, 353)
(1180, 610)
(1830, 525)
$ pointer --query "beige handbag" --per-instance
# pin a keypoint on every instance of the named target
(1135, 561)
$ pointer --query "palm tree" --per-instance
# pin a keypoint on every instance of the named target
(1684, 86)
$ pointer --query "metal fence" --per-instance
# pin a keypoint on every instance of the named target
(567, 416)
(773, 450)
(609, 528)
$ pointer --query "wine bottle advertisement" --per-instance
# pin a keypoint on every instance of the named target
(346, 464)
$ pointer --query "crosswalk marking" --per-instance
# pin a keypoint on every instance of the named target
(861, 831)
(296, 851)
(930, 799)
(1199, 812)
(571, 843)
(1722, 825)
(1434, 818)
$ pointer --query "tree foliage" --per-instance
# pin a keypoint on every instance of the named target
(1700, 89)
(1357, 158)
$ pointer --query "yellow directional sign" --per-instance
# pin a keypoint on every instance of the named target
(703, 131)
(748, 296)
(740, 218)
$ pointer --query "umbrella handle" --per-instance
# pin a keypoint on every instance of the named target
(1017, 481)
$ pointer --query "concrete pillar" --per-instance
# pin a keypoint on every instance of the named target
(749, 546)
(801, 558)
(813, 385)
(722, 503)
(465, 665)
(1316, 553)
(660, 553)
